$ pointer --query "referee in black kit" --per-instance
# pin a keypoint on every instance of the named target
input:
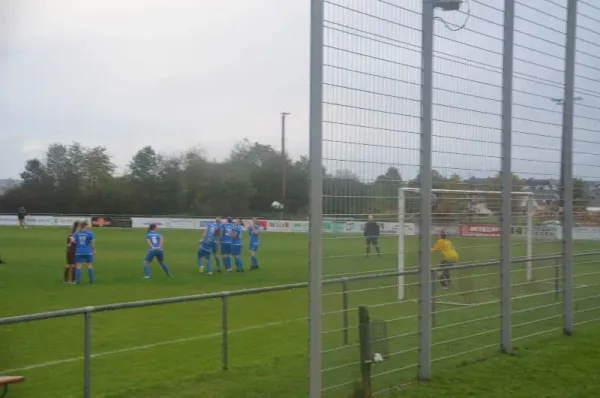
(371, 234)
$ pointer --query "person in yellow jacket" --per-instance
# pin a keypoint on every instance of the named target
(446, 249)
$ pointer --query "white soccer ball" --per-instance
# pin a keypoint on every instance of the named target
(276, 205)
(377, 357)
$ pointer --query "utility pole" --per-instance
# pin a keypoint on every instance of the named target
(283, 160)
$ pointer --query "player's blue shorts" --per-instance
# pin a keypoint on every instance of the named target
(155, 254)
(225, 248)
(204, 253)
(84, 258)
(215, 247)
(236, 250)
(253, 246)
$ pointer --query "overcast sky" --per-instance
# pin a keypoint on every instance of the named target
(167, 73)
(182, 73)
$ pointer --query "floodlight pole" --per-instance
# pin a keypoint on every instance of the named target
(283, 161)
(425, 172)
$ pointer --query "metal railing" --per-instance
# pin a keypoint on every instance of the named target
(224, 296)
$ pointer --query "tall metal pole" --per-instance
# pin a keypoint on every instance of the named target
(567, 166)
(425, 190)
(283, 160)
(315, 289)
(506, 176)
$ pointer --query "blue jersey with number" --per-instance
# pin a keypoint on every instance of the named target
(212, 229)
(253, 232)
(226, 229)
(154, 238)
(83, 242)
(237, 235)
(209, 238)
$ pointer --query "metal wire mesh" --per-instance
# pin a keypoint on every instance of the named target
(370, 147)
(540, 36)
(371, 131)
(467, 147)
(586, 162)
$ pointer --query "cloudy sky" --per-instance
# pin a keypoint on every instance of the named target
(182, 73)
(167, 73)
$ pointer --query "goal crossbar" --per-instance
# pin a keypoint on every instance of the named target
(402, 219)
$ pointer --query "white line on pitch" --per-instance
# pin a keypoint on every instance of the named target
(146, 346)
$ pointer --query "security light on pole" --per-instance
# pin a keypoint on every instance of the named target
(447, 5)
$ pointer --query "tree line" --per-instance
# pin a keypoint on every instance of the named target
(75, 179)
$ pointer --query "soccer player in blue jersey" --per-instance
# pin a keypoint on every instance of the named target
(206, 247)
(226, 229)
(237, 230)
(155, 250)
(215, 244)
(253, 229)
(85, 248)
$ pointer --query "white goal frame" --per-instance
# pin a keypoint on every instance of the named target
(402, 220)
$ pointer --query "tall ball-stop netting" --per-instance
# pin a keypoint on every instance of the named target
(371, 157)
(370, 147)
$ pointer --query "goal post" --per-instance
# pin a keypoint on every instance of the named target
(403, 220)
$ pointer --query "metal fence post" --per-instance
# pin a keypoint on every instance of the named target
(556, 280)
(433, 301)
(506, 177)
(425, 189)
(345, 310)
(567, 166)
(87, 354)
(315, 277)
(224, 332)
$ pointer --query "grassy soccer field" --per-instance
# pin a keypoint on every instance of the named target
(175, 350)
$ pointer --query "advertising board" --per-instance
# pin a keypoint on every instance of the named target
(539, 231)
(67, 221)
(111, 221)
(479, 230)
(8, 220)
(586, 233)
(278, 226)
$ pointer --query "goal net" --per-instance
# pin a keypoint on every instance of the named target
(470, 219)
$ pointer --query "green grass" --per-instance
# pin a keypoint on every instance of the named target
(554, 367)
(175, 350)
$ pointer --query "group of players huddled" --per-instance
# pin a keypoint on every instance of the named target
(224, 233)
(227, 233)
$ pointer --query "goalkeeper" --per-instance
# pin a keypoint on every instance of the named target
(449, 257)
